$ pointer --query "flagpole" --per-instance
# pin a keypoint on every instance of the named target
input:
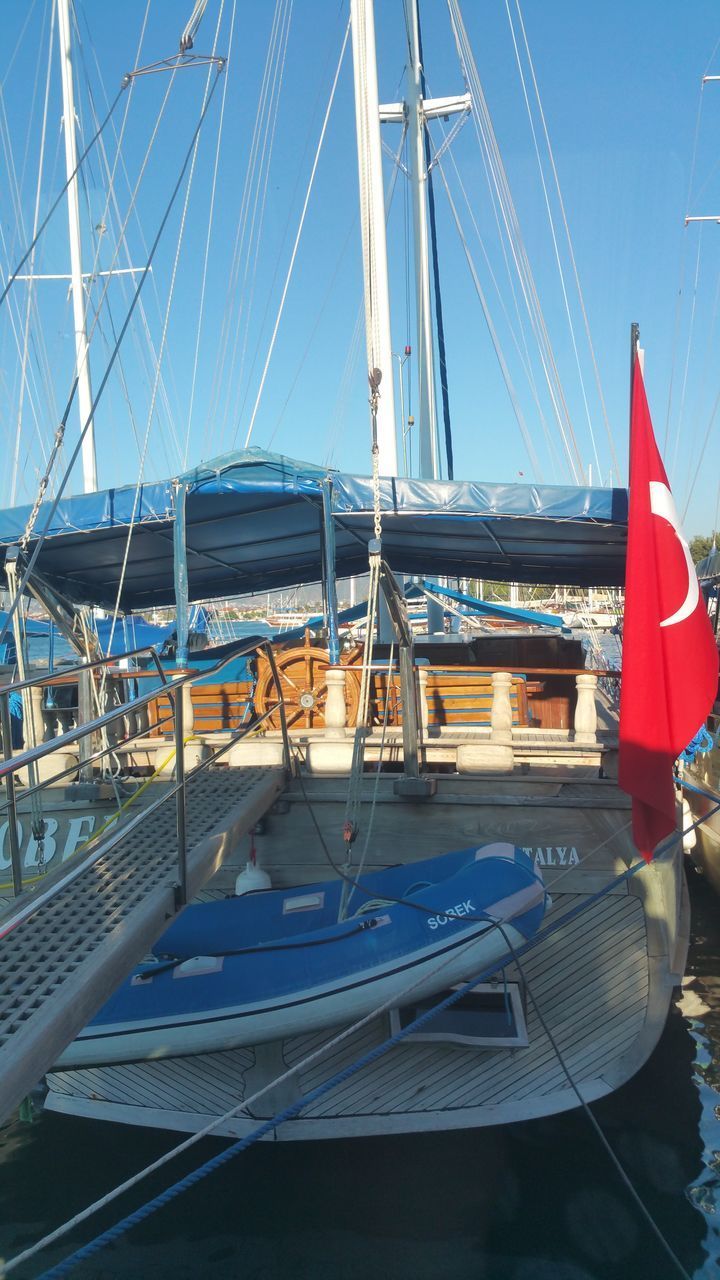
(634, 346)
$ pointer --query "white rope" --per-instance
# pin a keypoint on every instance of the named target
(161, 349)
(191, 29)
(208, 238)
(128, 215)
(500, 191)
(619, 471)
(517, 334)
(301, 224)
(512, 392)
(232, 412)
(548, 210)
(31, 263)
(145, 346)
(247, 241)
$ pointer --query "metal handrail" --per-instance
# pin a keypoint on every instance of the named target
(11, 765)
(14, 763)
(50, 678)
(91, 759)
(108, 844)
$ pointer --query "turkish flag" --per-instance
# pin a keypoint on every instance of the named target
(670, 658)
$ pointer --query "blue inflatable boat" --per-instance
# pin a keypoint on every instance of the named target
(277, 963)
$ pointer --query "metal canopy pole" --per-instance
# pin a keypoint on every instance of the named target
(180, 572)
(330, 582)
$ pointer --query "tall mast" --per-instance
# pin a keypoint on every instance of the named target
(372, 222)
(78, 297)
(426, 414)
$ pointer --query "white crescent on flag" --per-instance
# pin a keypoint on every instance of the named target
(662, 504)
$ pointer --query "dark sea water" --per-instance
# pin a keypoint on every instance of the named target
(536, 1201)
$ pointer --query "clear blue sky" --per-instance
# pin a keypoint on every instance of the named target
(620, 87)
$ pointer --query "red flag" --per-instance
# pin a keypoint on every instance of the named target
(670, 659)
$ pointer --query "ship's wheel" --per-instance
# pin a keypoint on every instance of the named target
(302, 673)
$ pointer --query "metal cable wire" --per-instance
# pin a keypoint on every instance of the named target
(61, 488)
(62, 192)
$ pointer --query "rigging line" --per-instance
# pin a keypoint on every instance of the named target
(59, 197)
(627, 1181)
(498, 200)
(548, 208)
(313, 331)
(239, 247)
(161, 349)
(18, 42)
(206, 259)
(439, 322)
(15, 329)
(148, 346)
(328, 293)
(683, 257)
(708, 429)
(527, 440)
(241, 396)
(337, 417)
(482, 123)
(248, 241)
(519, 336)
(124, 223)
(571, 249)
(297, 238)
(252, 258)
(110, 195)
(36, 215)
(691, 333)
(76, 450)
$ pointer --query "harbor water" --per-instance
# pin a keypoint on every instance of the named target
(534, 1201)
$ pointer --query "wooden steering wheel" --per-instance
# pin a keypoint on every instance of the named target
(302, 674)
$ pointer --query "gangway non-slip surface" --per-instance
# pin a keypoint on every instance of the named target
(58, 966)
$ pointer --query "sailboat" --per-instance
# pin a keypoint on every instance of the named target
(425, 747)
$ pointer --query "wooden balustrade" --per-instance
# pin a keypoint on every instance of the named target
(460, 697)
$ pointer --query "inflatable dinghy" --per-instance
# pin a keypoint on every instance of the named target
(278, 963)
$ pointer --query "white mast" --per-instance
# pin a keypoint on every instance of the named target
(78, 296)
(372, 222)
(426, 414)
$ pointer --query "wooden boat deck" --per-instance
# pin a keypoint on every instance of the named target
(59, 965)
(591, 979)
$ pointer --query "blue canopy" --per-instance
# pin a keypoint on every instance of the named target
(708, 570)
(253, 521)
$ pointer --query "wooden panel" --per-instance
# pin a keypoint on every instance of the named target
(455, 696)
(553, 706)
(215, 706)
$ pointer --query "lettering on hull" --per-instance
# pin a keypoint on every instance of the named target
(553, 855)
(63, 840)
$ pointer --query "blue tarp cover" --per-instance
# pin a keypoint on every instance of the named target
(708, 570)
(254, 523)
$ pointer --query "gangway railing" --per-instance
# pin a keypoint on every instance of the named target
(98, 846)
